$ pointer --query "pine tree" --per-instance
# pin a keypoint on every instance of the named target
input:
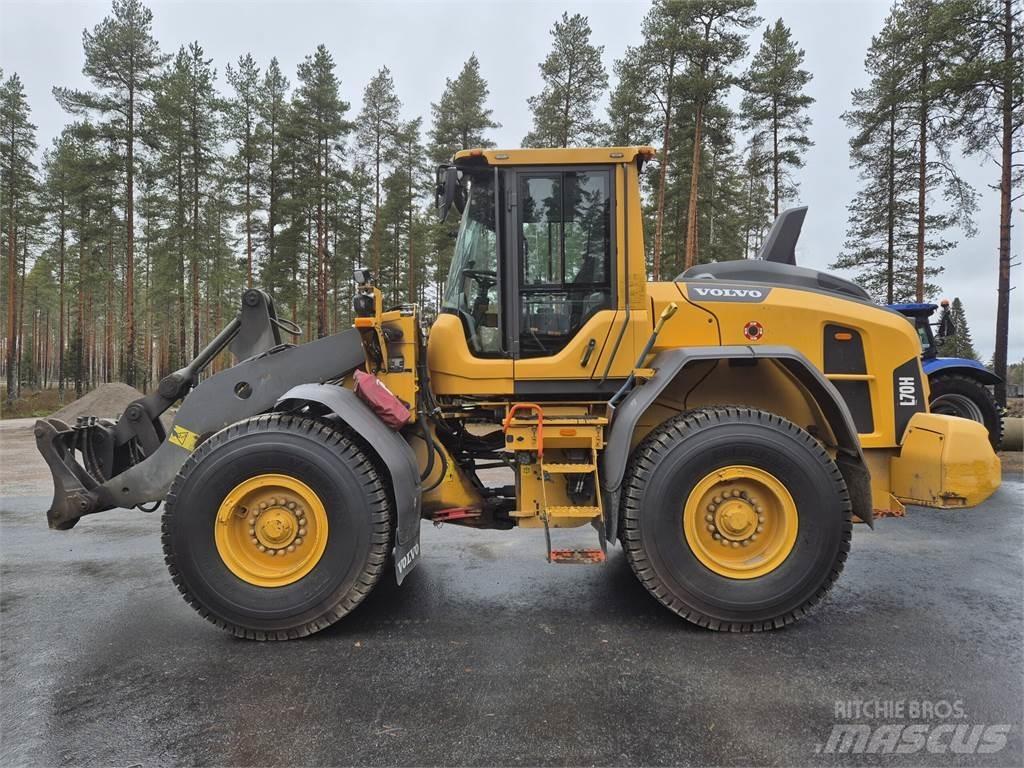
(17, 186)
(894, 240)
(273, 105)
(376, 127)
(320, 111)
(121, 58)
(713, 41)
(959, 343)
(775, 107)
(574, 78)
(58, 167)
(630, 119)
(461, 117)
(243, 127)
(987, 83)
(928, 33)
(654, 69)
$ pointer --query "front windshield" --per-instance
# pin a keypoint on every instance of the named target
(472, 287)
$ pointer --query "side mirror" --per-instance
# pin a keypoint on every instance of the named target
(449, 191)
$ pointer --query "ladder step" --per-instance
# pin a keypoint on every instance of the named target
(585, 512)
(569, 469)
(577, 556)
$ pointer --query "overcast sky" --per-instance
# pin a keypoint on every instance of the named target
(424, 42)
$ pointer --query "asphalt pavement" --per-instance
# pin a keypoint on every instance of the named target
(488, 655)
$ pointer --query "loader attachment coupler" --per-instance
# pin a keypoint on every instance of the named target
(99, 464)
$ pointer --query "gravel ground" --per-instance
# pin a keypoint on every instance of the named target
(487, 655)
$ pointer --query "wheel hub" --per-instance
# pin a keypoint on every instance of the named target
(271, 530)
(748, 525)
(277, 525)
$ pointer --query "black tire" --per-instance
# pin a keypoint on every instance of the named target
(667, 465)
(359, 526)
(955, 394)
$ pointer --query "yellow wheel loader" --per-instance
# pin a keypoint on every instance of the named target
(725, 427)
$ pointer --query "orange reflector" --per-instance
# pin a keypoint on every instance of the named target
(364, 322)
(842, 336)
(476, 152)
(567, 432)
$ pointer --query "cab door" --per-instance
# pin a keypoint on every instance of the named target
(562, 308)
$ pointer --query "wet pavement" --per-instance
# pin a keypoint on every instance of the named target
(487, 655)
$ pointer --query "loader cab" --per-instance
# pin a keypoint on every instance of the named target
(546, 288)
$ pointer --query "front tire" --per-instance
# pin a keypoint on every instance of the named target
(735, 519)
(957, 395)
(276, 527)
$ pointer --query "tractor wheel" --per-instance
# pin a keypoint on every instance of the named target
(276, 527)
(735, 519)
(957, 395)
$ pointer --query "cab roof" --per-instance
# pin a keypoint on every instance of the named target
(554, 156)
(914, 309)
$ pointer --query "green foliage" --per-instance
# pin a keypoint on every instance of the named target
(167, 196)
(461, 117)
(17, 209)
(959, 343)
(775, 107)
(574, 78)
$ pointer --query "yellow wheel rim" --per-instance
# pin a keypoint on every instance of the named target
(271, 530)
(740, 522)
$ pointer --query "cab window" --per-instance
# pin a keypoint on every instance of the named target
(564, 256)
(472, 290)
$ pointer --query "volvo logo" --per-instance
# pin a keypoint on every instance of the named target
(723, 293)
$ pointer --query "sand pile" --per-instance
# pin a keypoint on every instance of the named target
(107, 400)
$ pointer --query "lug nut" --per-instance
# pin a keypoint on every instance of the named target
(709, 518)
(745, 542)
(735, 544)
(711, 528)
(760, 528)
(254, 540)
(291, 547)
(291, 505)
(717, 536)
(261, 548)
(300, 512)
(298, 541)
(302, 531)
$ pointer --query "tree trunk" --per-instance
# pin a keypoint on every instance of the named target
(12, 293)
(922, 182)
(691, 215)
(62, 245)
(890, 249)
(129, 275)
(775, 155)
(659, 221)
(1005, 178)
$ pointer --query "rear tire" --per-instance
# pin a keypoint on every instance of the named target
(954, 394)
(236, 582)
(680, 484)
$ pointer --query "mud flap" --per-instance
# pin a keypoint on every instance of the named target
(394, 452)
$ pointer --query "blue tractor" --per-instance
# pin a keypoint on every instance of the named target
(959, 387)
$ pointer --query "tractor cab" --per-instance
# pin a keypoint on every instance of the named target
(920, 315)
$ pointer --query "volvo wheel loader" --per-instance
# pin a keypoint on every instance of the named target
(726, 427)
